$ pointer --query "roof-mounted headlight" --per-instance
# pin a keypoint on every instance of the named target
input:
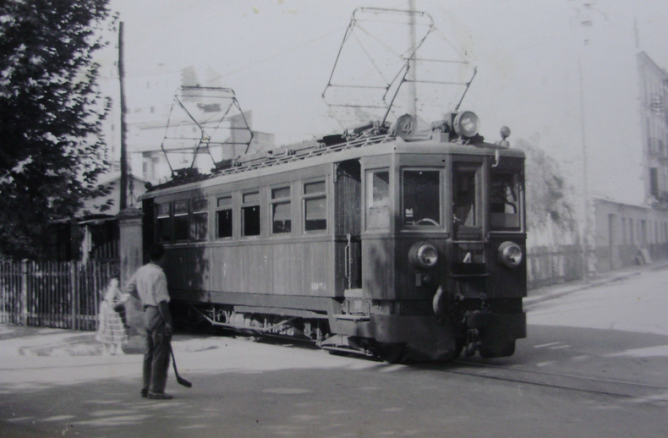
(466, 124)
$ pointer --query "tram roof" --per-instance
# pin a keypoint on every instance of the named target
(314, 153)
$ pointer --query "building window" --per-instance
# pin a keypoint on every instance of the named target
(315, 206)
(162, 219)
(378, 199)
(181, 225)
(224, 217)
(200, 222)
(654, 181)
(250, 214)
(624, 231)
(643, 232)
(281, 211)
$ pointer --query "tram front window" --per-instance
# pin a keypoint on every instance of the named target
(466, 199)
(505, 201)
(378, 200)
(421, 197)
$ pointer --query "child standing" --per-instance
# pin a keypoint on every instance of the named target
(111, 330)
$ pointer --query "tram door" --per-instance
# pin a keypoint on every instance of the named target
(348, 225)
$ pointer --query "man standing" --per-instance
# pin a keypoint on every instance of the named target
(149, 285)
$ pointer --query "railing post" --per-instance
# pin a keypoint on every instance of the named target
(24, 293)
(73, 294)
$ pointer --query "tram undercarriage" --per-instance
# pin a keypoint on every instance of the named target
(393, 338)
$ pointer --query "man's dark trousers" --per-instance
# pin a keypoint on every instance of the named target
(156, 358)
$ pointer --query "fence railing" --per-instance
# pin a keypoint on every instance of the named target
(53, 294)
(547, 265)
(67, 294)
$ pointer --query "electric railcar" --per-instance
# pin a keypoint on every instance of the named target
(378, 241)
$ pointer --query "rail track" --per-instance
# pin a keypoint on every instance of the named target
(571, 382)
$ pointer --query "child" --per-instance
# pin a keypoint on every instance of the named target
(111, 328)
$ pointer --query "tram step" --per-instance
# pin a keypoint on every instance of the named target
(356, 318)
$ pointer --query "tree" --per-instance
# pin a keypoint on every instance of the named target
(548, 197)
(51, 148)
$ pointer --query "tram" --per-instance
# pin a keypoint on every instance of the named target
(381, 241)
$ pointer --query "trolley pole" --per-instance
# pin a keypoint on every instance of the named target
(412, 72)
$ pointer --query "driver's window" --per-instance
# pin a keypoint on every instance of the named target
(421, 198)
(466, 197)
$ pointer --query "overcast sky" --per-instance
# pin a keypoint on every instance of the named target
(278, 54)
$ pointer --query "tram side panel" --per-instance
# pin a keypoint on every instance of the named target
(252, 270)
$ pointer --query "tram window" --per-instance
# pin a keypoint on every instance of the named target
(466, 207)
(421, 198)
(378, 200)
(224, 217)
(315, 187)
(162, 219)
(250, 215)
(181, 226)
(315, 206)
(281, 211)
(504, 202)
(200, 222)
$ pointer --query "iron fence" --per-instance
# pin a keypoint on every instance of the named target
(53, 294)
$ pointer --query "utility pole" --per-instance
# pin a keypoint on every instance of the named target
(584, 20)
(124, 161)
(411, 78)
(585, 189)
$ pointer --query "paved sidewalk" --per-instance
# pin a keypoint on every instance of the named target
(551, 292)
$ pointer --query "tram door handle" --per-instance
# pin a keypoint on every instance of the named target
(347, 261)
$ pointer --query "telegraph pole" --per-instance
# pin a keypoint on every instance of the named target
(124, 161)
(585, 188)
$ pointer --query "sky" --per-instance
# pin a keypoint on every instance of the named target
(540, 70)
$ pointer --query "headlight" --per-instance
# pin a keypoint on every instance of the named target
(466, 124)
(423, 255)
(510, 254)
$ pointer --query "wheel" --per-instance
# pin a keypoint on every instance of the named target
(459, 347)
(392, 353)
(506, 350)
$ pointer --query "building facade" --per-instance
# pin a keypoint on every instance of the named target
(628, 234)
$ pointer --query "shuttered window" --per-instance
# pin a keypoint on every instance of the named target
(315, 206)
(281, 211)
(250, 214)
(224, 217)
(200, 219)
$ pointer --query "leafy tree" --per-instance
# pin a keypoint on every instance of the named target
(548, 197)
(51, 149)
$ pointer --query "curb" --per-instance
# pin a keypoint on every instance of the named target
(577, 288)
(566, 290)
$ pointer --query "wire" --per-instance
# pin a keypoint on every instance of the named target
(274, 56)
(371, 59)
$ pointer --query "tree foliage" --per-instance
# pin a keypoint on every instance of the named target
(548, 197)
(51, 149)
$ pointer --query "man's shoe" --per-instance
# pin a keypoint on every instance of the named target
(159, 396)
(144, 392)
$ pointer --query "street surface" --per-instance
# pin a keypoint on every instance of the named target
(595, 364)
